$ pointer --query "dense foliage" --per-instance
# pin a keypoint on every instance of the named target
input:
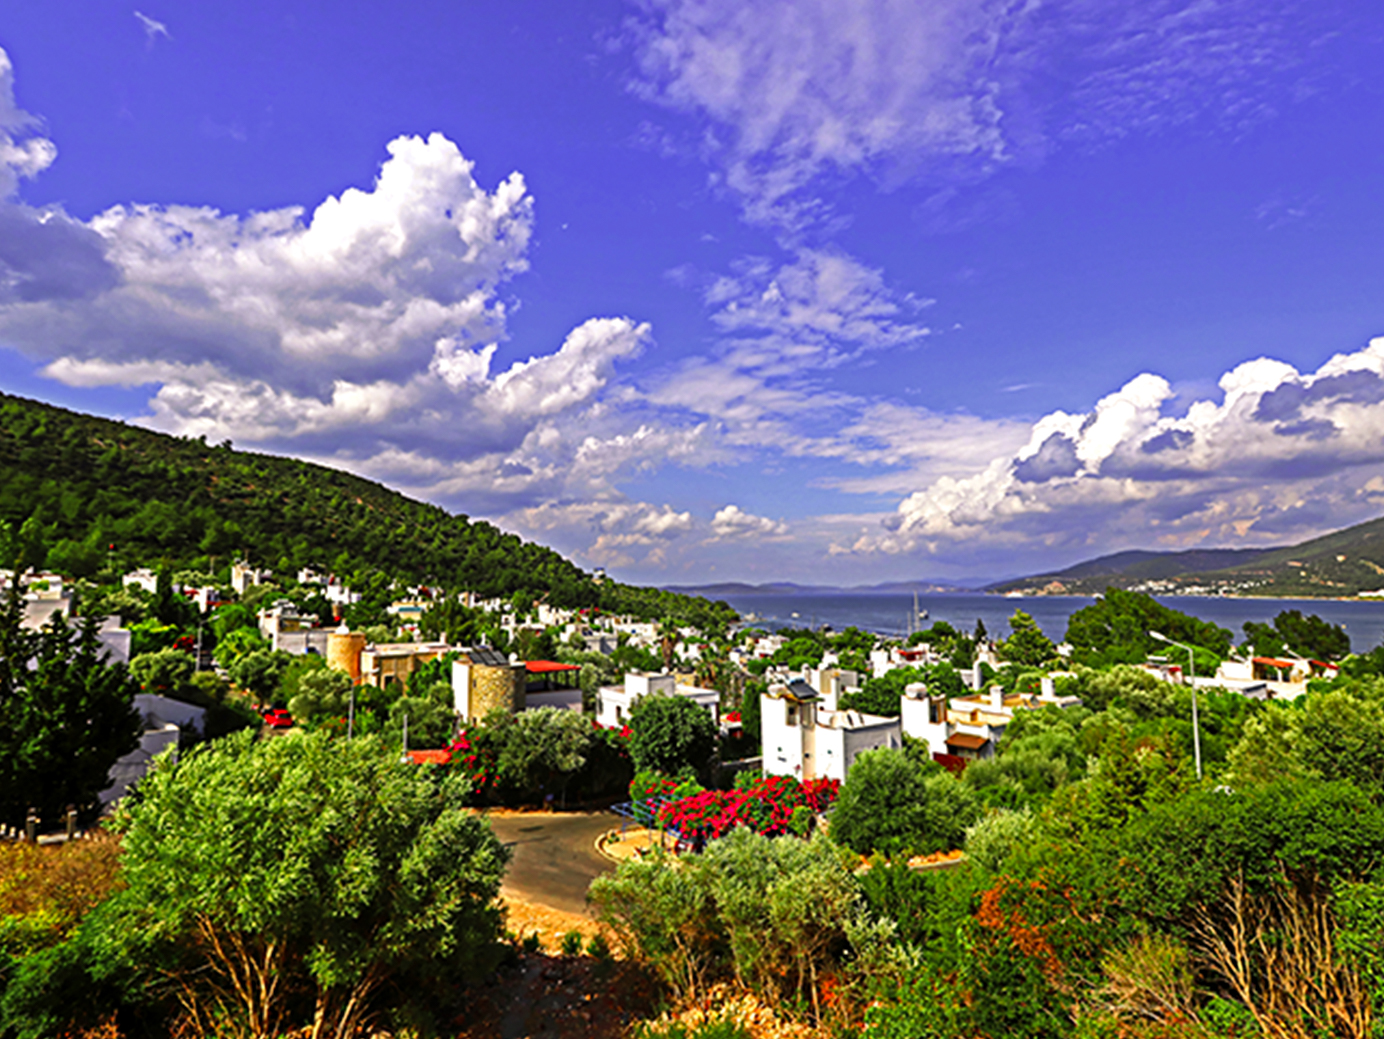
(671, 733)
(66, 716)
(275, 883)
(1115, 630)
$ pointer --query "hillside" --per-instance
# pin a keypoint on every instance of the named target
(1343, 563)
(73, 485)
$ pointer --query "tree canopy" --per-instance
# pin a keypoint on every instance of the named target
(670, 734)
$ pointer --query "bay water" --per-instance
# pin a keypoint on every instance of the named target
(889, 613)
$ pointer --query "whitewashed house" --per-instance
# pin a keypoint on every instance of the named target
(971, 726)
(614, 702)
(804, 735)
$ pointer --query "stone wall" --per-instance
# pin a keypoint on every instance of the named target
(497, 687)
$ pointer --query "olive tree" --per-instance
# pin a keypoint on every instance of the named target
(302, 862)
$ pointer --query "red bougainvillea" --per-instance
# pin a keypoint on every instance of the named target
(475, 764)
(766, 806)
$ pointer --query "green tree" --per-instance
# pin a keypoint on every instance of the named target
(259, 673)
(1311, 636)
(890, 804)
(303, 861)
(1115, 630)
(1027, 645)
(668, 636)
(238, 643)
(66, 716)
(669, 734)
(430, 724)
(166, 672)
(322, 694)
(535, 752)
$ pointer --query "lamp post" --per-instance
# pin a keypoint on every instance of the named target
(1191, 678)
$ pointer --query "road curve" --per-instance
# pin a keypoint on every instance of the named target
(554, 855)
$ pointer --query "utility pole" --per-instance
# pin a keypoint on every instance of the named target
(1191, 678)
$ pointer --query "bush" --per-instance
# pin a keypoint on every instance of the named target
(771, 913)
(571, 943)
(881, 803)
(994, 838)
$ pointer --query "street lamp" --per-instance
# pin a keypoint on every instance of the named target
(1191, 678)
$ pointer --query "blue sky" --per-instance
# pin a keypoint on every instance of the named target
(696, 290)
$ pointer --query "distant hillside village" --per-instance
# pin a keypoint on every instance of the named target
(211, 657)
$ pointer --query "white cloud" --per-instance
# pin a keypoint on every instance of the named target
(791, 93)
(627, 532)
(152, 28)
(732, 522)
(1281, 452)
(784, 326)
(23, 152)
(803, 87)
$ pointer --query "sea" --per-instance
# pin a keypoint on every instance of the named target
(889, 613)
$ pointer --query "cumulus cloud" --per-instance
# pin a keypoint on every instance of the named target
(361, 333)
(732, 522)
(626, 532)
(795, 91)
(367, 326)
(1280, 452)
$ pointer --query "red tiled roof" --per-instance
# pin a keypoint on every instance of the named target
(540, 667)
(966, 741)
(1274, 662)
(430, 757)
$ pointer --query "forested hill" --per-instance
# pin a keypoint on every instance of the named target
(71, 485)
(1343, 563)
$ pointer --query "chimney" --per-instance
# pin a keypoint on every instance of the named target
(996, 696)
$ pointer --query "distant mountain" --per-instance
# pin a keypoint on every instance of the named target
(1334, 565)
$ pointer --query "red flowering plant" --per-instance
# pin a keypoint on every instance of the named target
(476, 764)
(764, 805)
(648, 791)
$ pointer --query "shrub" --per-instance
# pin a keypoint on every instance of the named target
(571, 943)
(892, 804)
(773, 914)
(767, 806)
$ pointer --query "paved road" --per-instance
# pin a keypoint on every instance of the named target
(555, 857)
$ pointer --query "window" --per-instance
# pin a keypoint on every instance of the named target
(792, 714)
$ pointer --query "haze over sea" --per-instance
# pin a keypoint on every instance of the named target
(888, 613)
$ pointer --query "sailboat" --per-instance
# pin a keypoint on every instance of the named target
(916, 618)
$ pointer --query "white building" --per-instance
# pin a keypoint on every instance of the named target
(1272, 678)
(971, 726)
(165, 720)
(802, 734)
(244, 576)
(614, 702)
(142, 578)
(288, 630)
